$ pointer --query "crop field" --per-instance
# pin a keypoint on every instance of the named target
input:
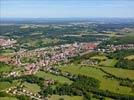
(59, 79)
(105, 84)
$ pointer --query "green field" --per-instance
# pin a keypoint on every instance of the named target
(28, 59)
(102, 57)
(5, 69)
(108, 62)
(6, 85)
(104, 61)
(34, 88)
(6, 52)
(123, 73)
(59, 79)
(39, 42)
(36, 33)
(65, 97)
(8, 98)
(106, 84)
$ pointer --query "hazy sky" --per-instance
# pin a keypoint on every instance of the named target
(66, 8)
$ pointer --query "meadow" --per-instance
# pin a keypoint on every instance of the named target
(6, 85)
(101, 57)
(65, 97)
(108, 63)
(5, 68)
(104, 61)
(8, 98)
(59, 79)
(34, 88)
(123, 73)
(105, 84)
(7, 52)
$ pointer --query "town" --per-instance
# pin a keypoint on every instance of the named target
(67, 61)
(6, 43)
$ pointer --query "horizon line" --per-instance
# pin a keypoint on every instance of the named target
(59, 17)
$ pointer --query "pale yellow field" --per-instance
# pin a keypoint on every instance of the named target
(131, 57)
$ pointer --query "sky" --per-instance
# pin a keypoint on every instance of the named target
(66, 8)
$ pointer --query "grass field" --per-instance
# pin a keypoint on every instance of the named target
(106, 84)
(6, 52)
(8, 98)
(99, 57)
(28, 59)
(108, 62)
(59, 79)
(123, 73)
(5, 68)
(65, 97)
(104, 61)
(6, 85)
(46, 41)
(34, 88)
(36, 33)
